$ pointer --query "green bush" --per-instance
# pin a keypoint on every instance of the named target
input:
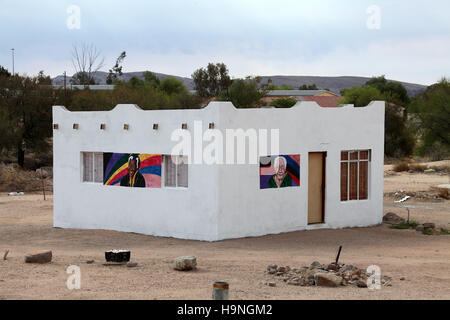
(284, 102)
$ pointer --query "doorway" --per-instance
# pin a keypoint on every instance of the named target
(316, 187)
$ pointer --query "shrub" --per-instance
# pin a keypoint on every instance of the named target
(417, 167)
(405, 225)
(401, 166)
(284, 102)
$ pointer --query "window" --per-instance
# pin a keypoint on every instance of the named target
(175, 171)
(355, 175)
(92, 167)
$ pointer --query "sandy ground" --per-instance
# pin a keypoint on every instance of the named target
(26, 226)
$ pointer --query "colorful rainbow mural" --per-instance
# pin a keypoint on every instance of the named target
(115, 167)
(267, 171)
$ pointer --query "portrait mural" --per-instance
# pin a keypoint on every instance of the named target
(138, 170)
(279, 171)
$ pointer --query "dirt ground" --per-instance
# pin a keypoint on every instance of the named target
(26, 226)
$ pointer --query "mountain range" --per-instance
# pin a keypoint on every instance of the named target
(334, 84)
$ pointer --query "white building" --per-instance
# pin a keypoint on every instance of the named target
(333, 178)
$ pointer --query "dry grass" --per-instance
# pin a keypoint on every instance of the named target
(401, 166)
(15, 179)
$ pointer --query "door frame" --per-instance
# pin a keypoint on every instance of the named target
(324, 186)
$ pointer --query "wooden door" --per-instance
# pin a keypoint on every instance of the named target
(316, 187)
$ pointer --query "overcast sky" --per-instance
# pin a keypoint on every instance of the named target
(408, 41)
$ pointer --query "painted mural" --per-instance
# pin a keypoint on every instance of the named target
(279, 171)
(138, 170)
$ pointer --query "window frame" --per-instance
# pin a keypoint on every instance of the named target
(83, 168)
(348, 161)
(163, 172)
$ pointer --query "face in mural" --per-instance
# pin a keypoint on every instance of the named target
(132, 170)
(279, 171)
(134, 178)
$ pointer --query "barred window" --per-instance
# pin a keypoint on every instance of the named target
(175, 171)
(92, 167)
(355, 174)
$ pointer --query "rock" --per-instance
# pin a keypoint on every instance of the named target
(327, 280)
(419, 228)
(361, 284)
(271, 267)
(185, 263)
(90, 261)
(39, 257)
(131, 264)
(429, 225)
(272, 271)
(302, 269)
(271, 284)
(281, 269)
(402, 278)
(332, 266)
(392, 218)
(314, 265)
(294, 282)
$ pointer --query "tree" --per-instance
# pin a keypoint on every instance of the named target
(308, 87)
(432, 110)
(25, 111)
(116, 70)
(284, 102)
(4, 72)
(211, 81)
(151, 78)
(86, 62)
(399, 140)
(172, 85)
(395, 92)
(243, 93)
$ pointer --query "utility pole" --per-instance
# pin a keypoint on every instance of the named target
(12, 51)
(65, 90)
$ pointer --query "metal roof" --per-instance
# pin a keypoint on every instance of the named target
(295, 92)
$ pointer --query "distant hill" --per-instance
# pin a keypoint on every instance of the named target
(334, 84)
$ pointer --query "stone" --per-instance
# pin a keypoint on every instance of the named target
(429, 225)
(281, 269)
(185, 263)
(272, 271)
(294, 282)
(271, 284)
(39, 257)
(131, 264)
(402, 278)
(392, 218)
(315, 265)
(271, 267)
(332, 266)
(90, 261)
(327, 280)
(361, 284)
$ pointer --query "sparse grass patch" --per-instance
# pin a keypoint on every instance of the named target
(427, 232)
(405, 225)
(401, 166)
(417, 167)
(445, 231)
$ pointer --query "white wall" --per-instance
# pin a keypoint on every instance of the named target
(245, 210)
(222, 201)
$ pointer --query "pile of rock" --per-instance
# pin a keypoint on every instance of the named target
(326, 275)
